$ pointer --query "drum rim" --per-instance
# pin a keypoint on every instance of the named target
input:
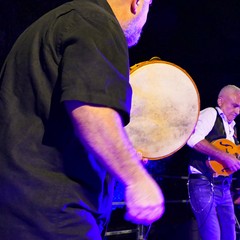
(154, 60)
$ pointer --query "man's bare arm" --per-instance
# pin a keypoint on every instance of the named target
(100, 130)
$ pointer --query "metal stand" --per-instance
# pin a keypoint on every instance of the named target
(140, 235)
(237, 229)
(139, 230)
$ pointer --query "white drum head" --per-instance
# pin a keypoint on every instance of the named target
(165, 108)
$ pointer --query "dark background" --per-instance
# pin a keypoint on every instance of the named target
(202, 37)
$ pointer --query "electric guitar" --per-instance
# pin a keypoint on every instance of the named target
(228, 147)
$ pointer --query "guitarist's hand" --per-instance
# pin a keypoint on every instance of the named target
(230, 162)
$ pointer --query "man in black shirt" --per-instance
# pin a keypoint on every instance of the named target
(64, 101)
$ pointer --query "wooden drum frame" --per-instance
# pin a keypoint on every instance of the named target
(165, 108)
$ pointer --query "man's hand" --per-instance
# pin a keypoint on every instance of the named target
(231, 163)
(144, 201)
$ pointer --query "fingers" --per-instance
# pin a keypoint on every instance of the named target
(139, 153)
(236, 166)
(143, 159)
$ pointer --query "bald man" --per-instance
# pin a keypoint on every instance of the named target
(64, 101)
(212, 163)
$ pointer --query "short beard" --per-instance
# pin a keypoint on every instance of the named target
(132, 29)
(132, 33)
(132, 36)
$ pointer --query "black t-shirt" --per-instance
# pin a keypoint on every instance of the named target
(75, 52)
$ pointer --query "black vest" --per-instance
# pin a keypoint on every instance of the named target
(197, 159)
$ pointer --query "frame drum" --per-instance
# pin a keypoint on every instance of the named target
(165, 108)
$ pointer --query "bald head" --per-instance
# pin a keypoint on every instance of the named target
(229, 101)
(228, 90)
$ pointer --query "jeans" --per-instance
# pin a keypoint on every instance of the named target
(213, 208)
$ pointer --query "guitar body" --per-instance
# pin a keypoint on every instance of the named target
(228, 147)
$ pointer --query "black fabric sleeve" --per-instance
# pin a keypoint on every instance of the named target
(94, 67)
